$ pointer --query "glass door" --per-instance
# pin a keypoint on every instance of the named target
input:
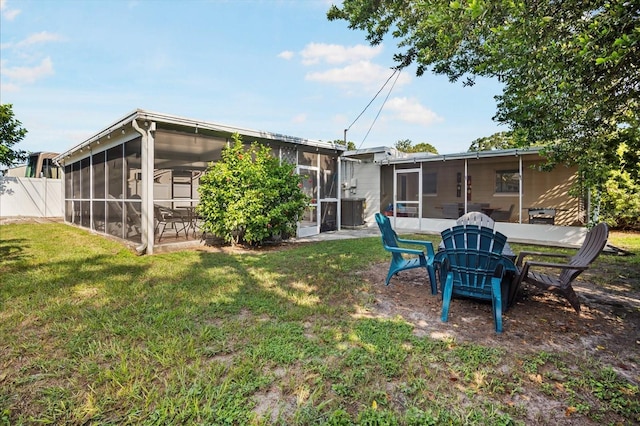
(310, 222)
(407, 193)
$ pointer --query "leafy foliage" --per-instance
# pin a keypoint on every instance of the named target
(569, 69)
(350, 145)
(621, 200)
(405, 145)
(249, 196)
(11, 132)
(500, 140)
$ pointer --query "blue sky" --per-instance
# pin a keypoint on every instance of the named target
(72, 67)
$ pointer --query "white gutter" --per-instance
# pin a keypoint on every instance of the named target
(146, 195)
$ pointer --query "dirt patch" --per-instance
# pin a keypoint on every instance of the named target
(608, 328)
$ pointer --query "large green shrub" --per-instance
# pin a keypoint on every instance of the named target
(249, 196)
(620, 197)
(621, 202)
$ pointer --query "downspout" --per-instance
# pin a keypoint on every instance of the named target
(145, 193)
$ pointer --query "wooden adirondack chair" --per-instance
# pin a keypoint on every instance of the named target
(475, 267)
(594, 242)
(422, 257)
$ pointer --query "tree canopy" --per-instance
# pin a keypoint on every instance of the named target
(11, 133)
(406, 145)
(500, 140)
(569, 69)
(350, 145)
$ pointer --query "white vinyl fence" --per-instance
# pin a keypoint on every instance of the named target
(31, 197)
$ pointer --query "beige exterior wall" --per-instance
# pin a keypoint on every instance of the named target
(539, 188)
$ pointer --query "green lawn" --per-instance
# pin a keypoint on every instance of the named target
(93, 334)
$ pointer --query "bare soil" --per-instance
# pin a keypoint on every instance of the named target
(607, 329)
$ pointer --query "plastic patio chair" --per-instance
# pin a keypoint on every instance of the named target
(475, 267)
(476, 218)
(400, 260)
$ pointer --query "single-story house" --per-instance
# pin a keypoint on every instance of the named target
(116, 181)
(426, 192)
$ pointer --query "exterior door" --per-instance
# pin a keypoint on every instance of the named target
(310, 222)
(407, 194)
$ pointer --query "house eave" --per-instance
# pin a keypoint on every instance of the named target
(161, 118)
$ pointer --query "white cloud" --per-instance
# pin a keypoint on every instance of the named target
(8, 14)
(361, 73)
(287, 54)
(314, 53)
(28, 74)
(41, 37)
(9, 88)
(299, 118)
(411, 111)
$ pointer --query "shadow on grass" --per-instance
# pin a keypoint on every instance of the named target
(12, 250)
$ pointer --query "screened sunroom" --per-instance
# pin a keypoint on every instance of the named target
(138, 179)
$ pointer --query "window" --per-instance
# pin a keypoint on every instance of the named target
(429, 183)
(507, 181)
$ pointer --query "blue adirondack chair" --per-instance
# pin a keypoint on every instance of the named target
(421, 258)
(475, 267)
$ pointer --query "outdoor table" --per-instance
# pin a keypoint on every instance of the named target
(191, 218)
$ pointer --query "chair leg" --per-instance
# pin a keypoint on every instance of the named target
(432, 279)
(164, 225)
(447, 292)
(393, 270)
(569, 293)
(496, 302)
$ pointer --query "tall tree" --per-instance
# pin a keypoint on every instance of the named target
(406, 145)
(425, 147)
(569, 68)
(350, 145)
(11, 133)
(403, 145)
(500, 140)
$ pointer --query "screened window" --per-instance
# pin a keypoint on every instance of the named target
(429, 183)
(507, 181)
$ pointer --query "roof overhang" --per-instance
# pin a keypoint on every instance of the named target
(428, 157)
(191, 125)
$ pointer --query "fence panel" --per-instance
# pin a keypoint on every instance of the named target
(32, 197)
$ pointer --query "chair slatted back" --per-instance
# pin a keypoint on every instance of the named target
(476, 218)
(594, 242)
(473, 254)
(389, 236)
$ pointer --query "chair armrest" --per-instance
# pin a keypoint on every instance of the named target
(557, 265)
(439, 256)
(428, 245)
(404, 250)
(522, 255)
(507, 264)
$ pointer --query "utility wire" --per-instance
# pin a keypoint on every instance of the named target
(396, 70)
(381, 106)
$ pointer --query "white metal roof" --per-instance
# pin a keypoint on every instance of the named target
(197, 124)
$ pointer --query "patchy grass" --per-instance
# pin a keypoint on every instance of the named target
(92, 334)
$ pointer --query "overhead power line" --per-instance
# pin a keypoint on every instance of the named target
(395, 70)
(381, 106)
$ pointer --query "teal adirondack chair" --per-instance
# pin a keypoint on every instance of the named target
(415, 258)
(475, 267)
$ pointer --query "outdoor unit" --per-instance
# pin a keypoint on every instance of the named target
(352, 212)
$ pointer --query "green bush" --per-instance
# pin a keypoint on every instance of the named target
(250, 197)
(621, 198)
